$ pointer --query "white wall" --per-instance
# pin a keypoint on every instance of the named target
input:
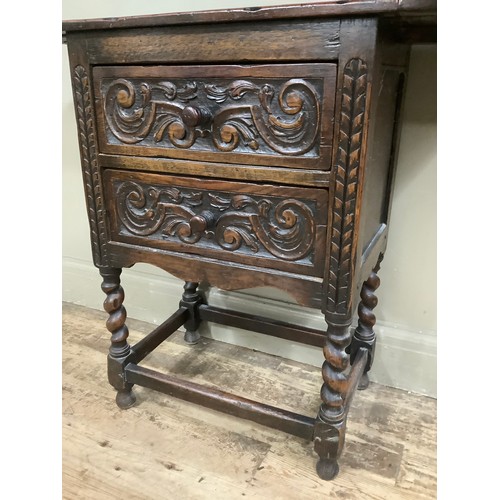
(406, 327)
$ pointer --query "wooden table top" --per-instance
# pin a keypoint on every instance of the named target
(413, 10)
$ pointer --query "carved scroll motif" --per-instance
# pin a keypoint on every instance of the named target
(347, 164)
(90, 169)
(293, 135)
(283, 117)
(144, 211)
(132, 118)
(285, 229)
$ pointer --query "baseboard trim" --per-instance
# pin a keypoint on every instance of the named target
(404, 359)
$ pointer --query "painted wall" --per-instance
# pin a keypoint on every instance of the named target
(406, 327)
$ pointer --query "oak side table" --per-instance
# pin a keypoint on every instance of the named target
(243, 148)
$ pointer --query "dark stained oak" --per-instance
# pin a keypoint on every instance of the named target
(119, 350)
(416, 9)
(275, 328)
(214, 42)
(364, 335)
(306, 290)
(286, 421)
(245, 148)
(254, 224)
(151, 341)
(191, 301)
(265, 114)
(255, 173)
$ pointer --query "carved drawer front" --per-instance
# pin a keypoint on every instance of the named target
(262, 225)
(259, 115)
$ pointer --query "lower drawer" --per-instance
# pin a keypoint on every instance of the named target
(269, 226)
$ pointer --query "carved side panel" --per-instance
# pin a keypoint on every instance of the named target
(281, 112)
(347, 165)
(90, 169)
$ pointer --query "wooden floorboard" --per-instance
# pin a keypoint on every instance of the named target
(164, 448)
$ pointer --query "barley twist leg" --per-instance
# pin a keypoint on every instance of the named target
(119, 348)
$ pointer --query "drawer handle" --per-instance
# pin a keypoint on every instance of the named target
(203, 221)
(194, 116)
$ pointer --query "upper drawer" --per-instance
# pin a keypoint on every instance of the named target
(258, 115)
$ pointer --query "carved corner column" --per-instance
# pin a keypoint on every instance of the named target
(90, 167)
(329, 431)
(364, 335)
(191, 299)
(119, 349)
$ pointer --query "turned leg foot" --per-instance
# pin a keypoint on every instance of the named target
(191, 299)
(330, 426)
(327, 469)
(119, 350)
(191, 338)
(364, 382)
(125, 399)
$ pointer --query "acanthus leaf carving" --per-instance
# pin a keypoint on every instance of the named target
(347, 165)
(284, 228)
(90, 168)
(219, 202)
(235, 90)
(283, 117)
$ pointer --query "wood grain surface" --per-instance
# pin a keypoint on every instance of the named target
(255, 224)
(265, 114)
(417, 9)
(167, 448)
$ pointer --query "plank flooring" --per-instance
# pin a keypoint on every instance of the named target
(164, 448)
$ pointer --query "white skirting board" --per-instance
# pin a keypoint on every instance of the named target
(404, 359)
